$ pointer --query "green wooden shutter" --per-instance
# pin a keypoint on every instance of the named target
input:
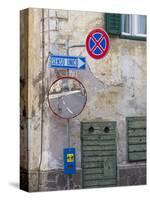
(113, 23)
(98, 147)
(136, 129)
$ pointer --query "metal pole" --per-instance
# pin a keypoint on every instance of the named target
(74, 46)
(68, 48)
(68, 135)
(67, 45)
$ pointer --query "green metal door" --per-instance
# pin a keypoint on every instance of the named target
(98, 146)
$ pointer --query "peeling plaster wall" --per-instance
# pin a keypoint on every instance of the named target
(116, 84)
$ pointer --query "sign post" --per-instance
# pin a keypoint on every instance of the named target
(67, 98)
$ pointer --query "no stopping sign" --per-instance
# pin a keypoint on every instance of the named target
(97, 43)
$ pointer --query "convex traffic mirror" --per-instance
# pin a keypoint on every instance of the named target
(67, 97)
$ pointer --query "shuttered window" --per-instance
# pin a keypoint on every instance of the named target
(126, 26)
(113, 23)
(136, 133)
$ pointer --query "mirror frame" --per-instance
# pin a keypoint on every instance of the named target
(64, 77)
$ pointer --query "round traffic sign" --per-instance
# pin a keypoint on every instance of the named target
(97, 43)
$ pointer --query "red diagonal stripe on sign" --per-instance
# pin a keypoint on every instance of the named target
(97, 43)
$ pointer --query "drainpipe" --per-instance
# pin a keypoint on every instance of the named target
(42, 93)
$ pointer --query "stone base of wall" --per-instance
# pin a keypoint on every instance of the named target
(51, 180)
(28, 180)
(33, 181)
(132, 174)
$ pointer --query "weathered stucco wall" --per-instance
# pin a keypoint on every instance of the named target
(116, 84)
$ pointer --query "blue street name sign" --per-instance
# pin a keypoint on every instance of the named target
(67, 62)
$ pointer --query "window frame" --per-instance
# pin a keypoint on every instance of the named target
(133, 31)
(122, 26)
